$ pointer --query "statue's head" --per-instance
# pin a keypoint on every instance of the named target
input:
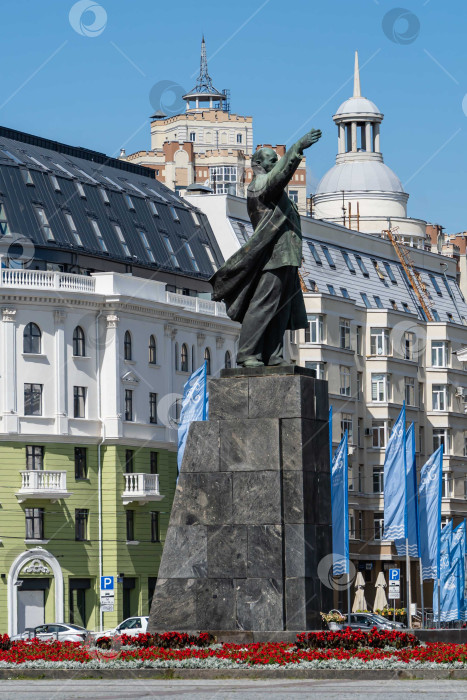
(264, 160)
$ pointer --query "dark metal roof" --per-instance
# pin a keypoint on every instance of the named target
(93, 187)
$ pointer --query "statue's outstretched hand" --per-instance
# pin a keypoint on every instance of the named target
(309, 139)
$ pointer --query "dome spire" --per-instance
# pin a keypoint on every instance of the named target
(356, 78)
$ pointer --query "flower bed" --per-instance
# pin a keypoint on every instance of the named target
(371, 650)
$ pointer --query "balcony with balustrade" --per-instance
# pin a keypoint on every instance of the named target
(141, 488)
(43, 484)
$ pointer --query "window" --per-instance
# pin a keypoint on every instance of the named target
(439, 353)
(348, 262)
(361, 479)
(152, 407)
(239, 138)
(223, 179)
(344, 333)
(153, 208)
(450, 316)
(442, 436)
(421, 439)
(32, 339)
(80, 189)
(194, 264)
(154, 465)
(184, 358)
(366, 301)
(127, 350)
(79, 401)
(104, 195)
(406, 307)
(378, 302)
(318, 367)
(378, 432)
(81, 463)
(155, 536)
(331, 290)
(129, 202)
(33, 399)
(314, 253)
(378, 522)
(207, 359)
(152, 350)
(409, 383)
(192, 136)
(344, 373)
(435, 284)
(27, 177)
(328, 256)
(130, 525)
(345, 293)
(73, 229)
(390, 273)
(379, 272)
(314, 333)
(228, 360)
(176, 358)
(79, 343)
(359, 340)
(435, 315)
(121, 238)
(408, 346)
(55, 183)
(210, 257)
(81, 524)
(129, 461)
(195, 218)
(440, 397)
(34, 457)
(359, 386)
(347, 424)
(393, 304)
(362, 267)
(174, 213)
(4, 227)
(172, 256)
(379, 341)
(97, 231)
(447, 484)
(147, 247)
(129, 404)
(34, 523)
(378, 479)
(44, 224)
(380, 388)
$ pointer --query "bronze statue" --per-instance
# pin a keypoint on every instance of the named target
(259, 283)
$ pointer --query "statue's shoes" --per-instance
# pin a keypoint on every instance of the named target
(277, 362)
(251, 363)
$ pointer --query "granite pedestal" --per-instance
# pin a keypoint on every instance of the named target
(251, 517)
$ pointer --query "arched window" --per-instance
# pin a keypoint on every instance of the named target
(228, 360)
(32, 339)
(193, 358)
(127, 345)
(176, 357)
(184, 358)
(79, 342)
(152, 350)
(207, 357)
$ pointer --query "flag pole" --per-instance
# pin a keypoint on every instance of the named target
(439, 603)
(421, 592)
(409, 597)
(348, 597)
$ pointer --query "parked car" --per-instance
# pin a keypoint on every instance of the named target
(62, 631)
(387, 621)
(365, 621)
(132, 626)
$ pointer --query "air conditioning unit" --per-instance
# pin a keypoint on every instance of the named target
(367, 432)
(460, 392)
(352, 449)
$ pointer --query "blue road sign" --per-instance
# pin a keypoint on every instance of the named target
(394, 574)
(107, 583)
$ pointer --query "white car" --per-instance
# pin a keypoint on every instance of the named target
(132, 626)
(62, 631)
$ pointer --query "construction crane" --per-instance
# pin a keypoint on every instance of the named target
(414, 277)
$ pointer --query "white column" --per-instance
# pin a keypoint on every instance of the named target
(165, 408)
(61, 374)
(376, 135)
(110, 378)
(354, 136)
(10, 401)
(341, 140)
(368, 144)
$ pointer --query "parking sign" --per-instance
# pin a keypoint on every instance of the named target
(394, 575)
(107, 583)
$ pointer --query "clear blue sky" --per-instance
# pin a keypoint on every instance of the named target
(285, 64)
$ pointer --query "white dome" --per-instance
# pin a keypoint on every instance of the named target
(357, 105)
(364, 175)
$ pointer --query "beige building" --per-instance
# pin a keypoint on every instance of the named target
(207, 145)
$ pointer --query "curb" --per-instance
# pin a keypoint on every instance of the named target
(241, 674)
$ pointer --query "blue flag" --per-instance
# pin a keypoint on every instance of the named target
(449, 594)
(340, 509)
(458, 545)
(430, 514)
(412, 498)
(194, 407)
(395, 525)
